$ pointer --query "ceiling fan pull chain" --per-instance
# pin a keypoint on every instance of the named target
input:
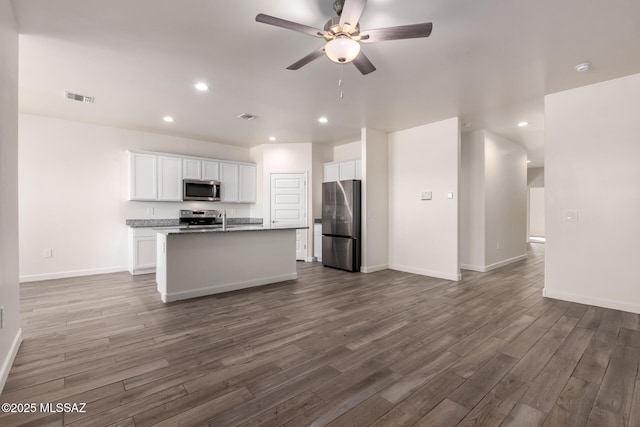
(340, 81)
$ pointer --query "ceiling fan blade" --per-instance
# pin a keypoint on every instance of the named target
(396, 33)
(351, 12)
(289, 25)
(304, 61)
(363, 64)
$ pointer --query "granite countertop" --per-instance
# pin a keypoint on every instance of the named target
(175, 222)
(229, 229)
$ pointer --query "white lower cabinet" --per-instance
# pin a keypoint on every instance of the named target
(142, 251)
(317, 241)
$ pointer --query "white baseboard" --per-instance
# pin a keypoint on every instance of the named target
(8, 361)
(74, 273)
(226, 287)
(479, 268)
(486, 268)
(374, 268)
(599, 302)
(437, 274)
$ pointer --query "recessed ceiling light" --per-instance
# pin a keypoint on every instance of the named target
(585, 66)
(523, 124)
(203, 87)
(323, 120)
(272, 138)
(168, 119)
(528, 161)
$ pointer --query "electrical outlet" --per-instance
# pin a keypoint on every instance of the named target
(150, 211)
(47, 253)
(233, 211)
(498, 246)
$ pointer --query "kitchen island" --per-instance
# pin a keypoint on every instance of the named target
(194, 262)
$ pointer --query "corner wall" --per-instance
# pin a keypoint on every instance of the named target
(10, 334)
(472, 200)
(591, 166)
(423, 235)
(73, 189)
(375, 200)
(506, 201)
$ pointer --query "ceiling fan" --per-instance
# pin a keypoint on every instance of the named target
(344, 37)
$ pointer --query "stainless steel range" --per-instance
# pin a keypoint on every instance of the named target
(200, 218)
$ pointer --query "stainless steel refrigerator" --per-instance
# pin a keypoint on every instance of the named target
(341, 224)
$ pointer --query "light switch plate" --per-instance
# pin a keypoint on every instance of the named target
(449, 195)
(426, 195)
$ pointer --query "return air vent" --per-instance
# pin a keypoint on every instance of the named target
(81, 98)
(247, 116)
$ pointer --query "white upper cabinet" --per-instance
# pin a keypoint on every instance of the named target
(341, 171)
(192, 169)
(170, 179)
(247, 180)
(347, 170)
(229, 182)
(158, 176)
(331, 172)
(210, 170)
(142, 177)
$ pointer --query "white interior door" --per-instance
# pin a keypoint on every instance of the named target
(289, 206)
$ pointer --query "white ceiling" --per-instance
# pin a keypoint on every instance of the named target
(488, 61)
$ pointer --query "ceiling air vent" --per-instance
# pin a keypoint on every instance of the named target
(247, 116)
(81, 98)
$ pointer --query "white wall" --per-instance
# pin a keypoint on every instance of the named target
(423, 235)
(472, 200)
(536, 212)
(505, 201)
(73, 189)
(375, 200)
(348, 151)
(535, 177)
(493, 201)
(591, 165)
(321, 153)
(295, 157)
(10, 334)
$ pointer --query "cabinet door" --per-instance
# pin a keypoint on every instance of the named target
(317, 241)
(191, 169)
(347, 170)
(229, 182)
(331, 172)
(144, 253)
(170, 178)
(142, 177)
(358, 169)
(210, 170)
(248, 184)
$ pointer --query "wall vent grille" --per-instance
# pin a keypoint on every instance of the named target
(80, 98)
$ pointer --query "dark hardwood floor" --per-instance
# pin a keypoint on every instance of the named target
(331, 348)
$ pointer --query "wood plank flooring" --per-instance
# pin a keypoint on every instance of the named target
(331, 348)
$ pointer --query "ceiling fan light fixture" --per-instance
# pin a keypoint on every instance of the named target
(342, 50)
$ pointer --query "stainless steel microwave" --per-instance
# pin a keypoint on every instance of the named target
(204, 191)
